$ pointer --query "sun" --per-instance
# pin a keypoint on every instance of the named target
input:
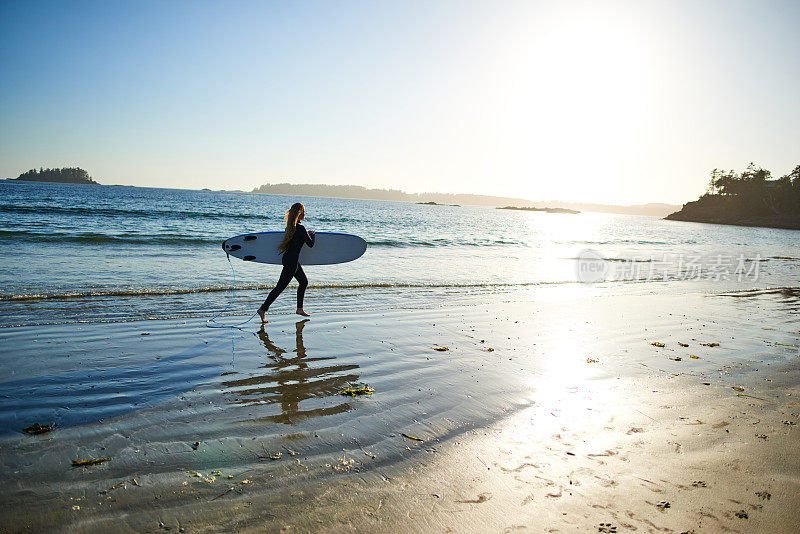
(578, 102)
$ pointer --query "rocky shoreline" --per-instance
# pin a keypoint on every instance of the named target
(692, 212)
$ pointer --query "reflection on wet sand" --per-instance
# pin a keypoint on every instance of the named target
(290, 380)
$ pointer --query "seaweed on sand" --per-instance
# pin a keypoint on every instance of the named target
(87, 463)
(355, 390)
(37, 429)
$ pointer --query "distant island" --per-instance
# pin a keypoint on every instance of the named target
(356, 191)
(749, 198)
(546, 210)
(67, 175)
(432, 203)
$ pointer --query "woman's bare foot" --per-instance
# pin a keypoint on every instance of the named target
(301, 312)
(261, 313)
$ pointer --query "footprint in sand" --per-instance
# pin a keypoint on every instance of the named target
(555, 495)
(699, 484)
(663, 505)
(606, 527)
(519, 467)
(483, 497)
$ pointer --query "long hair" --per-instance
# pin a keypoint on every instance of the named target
(291, 219)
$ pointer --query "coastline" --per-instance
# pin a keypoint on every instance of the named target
(785, 223)
(465, 199)
(571, 409)
(79, 182)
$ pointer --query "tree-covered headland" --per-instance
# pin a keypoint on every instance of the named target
(749, 198)
(69, 175)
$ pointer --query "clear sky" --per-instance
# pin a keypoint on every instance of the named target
(616, 102)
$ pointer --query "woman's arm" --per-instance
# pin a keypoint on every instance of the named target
(308, 237)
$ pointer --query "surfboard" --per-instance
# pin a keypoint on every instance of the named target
(329, 248)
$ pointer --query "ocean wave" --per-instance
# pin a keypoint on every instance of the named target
(88, 211)
(150, 213)
(444, 242)
(622, 242)
(619, 260)
(103, 239)
(654, 260)
(98, 238)
(154, 292)
(786, 291)
(337, 219)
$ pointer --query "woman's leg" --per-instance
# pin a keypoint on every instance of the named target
(302, 281)
(283, 281)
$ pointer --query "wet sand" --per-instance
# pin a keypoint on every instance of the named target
(552, 413)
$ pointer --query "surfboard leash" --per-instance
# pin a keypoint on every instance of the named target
(233, 287)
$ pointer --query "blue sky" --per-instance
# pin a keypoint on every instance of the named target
(619, 102)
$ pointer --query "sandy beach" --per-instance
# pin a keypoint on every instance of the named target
(552, 413)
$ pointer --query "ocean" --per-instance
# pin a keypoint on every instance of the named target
(78, 253)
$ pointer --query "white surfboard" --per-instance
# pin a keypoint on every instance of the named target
(329, 248)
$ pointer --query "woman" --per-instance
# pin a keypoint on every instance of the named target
(293, 240)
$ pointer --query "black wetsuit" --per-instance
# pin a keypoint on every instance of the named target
(292, 268)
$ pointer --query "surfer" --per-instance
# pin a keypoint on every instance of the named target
(293, 240)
